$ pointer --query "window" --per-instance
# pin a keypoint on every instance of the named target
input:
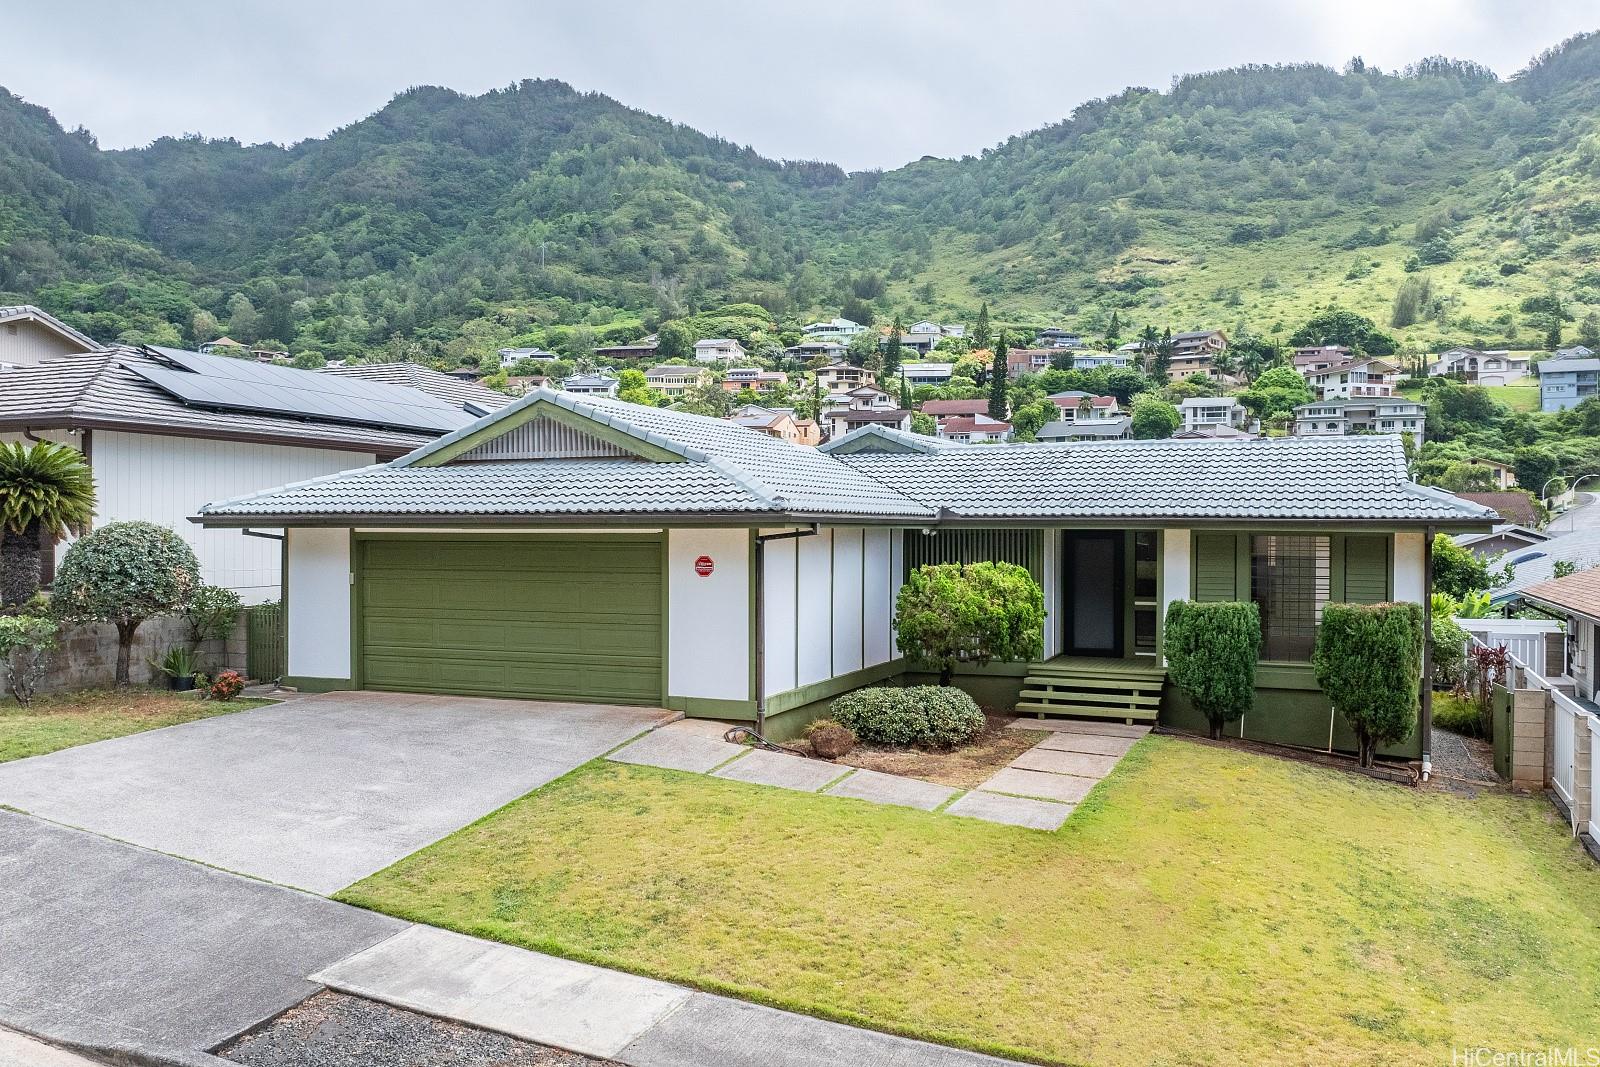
(1289, 581)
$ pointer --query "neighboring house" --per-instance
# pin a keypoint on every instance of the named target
(715, 349)
(762, 381)
(1576, 598)
(1095, 360)
(521, 385)
(1515, 507)
(773, 423)
(947, 329)
(831, 351)
(165, 430)
(1056, 337)
(510, 357)
(840, 330)
(944, 410)
(1209, 412)
(1193, 351)
(468, 394)
(29, 336)
(611, 553)
(1504, 475)
(1496, 367)
(916, 374)
(861, 406)
(974, 429)
(1319, 357)
(806, 431)
(920, 343)
(1085, 416)
(1537, 562)
(1337, 418)
(645, 349)
(1020, 361)
(1567, 382)
(1218, 431)
(1354, 378)
(1502, 539)
(224, 346)
(591, 385)
(839, 376)
(673, 380)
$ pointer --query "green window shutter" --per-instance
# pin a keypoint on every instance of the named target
(1366, 568)
(1216, 567)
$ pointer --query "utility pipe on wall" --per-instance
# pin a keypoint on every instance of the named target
(1427, 653)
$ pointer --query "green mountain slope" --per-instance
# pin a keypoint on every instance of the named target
(1237, 198)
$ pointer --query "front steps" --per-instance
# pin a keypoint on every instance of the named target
(1118, 690)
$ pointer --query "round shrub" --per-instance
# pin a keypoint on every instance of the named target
(226, 686)
(927, 715)
(829, 739)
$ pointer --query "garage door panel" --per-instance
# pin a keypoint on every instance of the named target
(539, 618)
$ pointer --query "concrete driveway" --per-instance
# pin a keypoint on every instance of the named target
(320, 791)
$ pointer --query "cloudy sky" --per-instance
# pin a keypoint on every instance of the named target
(865, 83)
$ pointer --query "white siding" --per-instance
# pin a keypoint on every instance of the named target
(1176, 567)
(24, 344)
(166, 479)
(319, 602)
(1052, 593)
(880, 583)
(708, 625)
(847, 602)
(781, 604)
(814, 585)
(1409, 571)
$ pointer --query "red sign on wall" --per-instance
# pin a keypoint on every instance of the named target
(704, 566)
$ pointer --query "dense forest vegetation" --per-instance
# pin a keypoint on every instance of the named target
(1445, 204)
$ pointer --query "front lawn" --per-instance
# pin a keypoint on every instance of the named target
(63, 720)
(1204, 905)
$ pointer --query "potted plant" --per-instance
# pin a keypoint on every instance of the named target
(180, 665)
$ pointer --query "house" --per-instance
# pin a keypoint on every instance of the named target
(1193, 351)
(831, 351)
(1504, 475)
(974, 429)
(861, 406)
(1495, 367)
(591, 385)
(1216, 431)
(1504, 538)
(1535, 563)
(1319, 357)
(673, 380)
(1336, 418)
(1202, 413)
(838, 376)
(719, 349)
(762, 381)
(645, 349)
(510, 357)
(622, 554)
(772, 422)
(920, 343)
(806, 431)
(916, 374)
(840, 330)
(520, 385)
(1020, 361)
(166, 430)
(1576, 598)
(29, 336)
(1353, 378)
(1515, 506)
(224, 346)
(944, 410)
(927, 326)
(1085, 416)
(1567, 382)
(1056, 337)
(1095, 360)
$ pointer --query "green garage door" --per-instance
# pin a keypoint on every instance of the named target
(542, 618)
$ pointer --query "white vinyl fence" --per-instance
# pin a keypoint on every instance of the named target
(1524, 638)
(1567, 718)
(1594, 779)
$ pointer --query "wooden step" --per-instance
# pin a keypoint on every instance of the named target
(1063, 682)
(1085, 711)
(1047, 695)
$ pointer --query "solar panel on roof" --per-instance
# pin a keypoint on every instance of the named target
(241, 385)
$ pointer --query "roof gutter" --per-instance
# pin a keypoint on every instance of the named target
(759, 562)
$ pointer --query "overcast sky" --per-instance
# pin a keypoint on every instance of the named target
(865, 83)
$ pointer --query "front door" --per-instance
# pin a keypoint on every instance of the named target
(1092, 572)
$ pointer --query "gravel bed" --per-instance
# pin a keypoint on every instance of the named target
(1462, 762)
(331, 1029)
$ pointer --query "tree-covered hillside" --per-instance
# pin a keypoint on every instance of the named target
(1439, 201)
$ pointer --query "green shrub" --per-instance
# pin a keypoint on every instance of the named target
(969, 612)
(1448, 653)
(27, 643)
(1459, 715)
(211, 614)
(930, 716)
(1368, 661)
(1211, 651)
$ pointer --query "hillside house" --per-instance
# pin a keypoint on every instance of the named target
(510, 357)
(1084, 416)
(1567, 382)
(1193, 351)
(837, 377)
(831, 351)
(719, 350)
(673, 380)
(591, 385)
(1353, 378)
(1202, 413)
(638, 350)
(1319, 357)
(1378, 415)
(975, 430)
(1056, 337)
(943, 410)
(916, 374)
(839, 330)
(738, 379)
(1117, 360)
(1020, 361)
(1493, 367)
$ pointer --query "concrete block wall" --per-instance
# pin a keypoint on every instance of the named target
(1530, 714)
(87, 658)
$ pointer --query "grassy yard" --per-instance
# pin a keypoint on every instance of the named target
(1203, 906)
(63, 720)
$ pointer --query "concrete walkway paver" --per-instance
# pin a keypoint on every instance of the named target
(1054, 761)
(679, 746)
(880, 788)
(1095, 744)
(1012, 811)
(320, 791)
(1082, 726)
(1041, 785)
(20, 1050)
(764, 767)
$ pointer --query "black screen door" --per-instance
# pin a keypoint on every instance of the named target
(1092, 576)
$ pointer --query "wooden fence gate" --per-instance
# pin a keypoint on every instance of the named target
(266, 657)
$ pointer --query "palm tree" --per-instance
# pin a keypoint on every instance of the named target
(46, 490)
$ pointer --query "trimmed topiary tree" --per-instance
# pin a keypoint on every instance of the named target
(1211, 651)
(1369, 662)
(949, 613)
(125, 573)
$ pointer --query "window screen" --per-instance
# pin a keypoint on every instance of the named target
(1289, 583)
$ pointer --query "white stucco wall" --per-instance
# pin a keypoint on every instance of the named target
(319, 602)
(1409, 570)
(708, 626)
(1177, 566)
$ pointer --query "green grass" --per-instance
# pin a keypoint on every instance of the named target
(1202, 906)
(60, 721)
